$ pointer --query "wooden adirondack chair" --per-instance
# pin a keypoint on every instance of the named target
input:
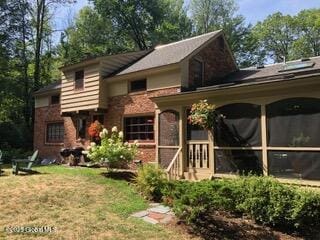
(24, 165)
(0, 161)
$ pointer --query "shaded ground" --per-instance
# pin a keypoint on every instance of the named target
(221, 225)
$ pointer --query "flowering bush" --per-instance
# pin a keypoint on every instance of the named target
(112, 149)
(203, 114)
(94, 130)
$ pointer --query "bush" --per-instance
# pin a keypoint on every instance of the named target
(14, 153)
(150, 181)
(112, 149)
(264, 199)
(305, 212)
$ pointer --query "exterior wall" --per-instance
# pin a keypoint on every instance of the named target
(164, 80)
(218, 62)
(88, 98)
(44, 115)
(42, 101)
(137, 104)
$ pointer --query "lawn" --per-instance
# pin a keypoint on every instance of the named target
(80, 203)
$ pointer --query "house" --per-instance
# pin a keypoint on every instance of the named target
(271, 121)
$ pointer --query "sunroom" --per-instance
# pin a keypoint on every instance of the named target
(269, 127)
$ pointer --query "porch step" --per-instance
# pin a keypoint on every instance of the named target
(198, 174)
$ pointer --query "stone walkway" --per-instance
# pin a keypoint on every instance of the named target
(157, 213)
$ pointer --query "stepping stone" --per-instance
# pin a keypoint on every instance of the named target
(140, 214)
(154, 204)
(150, 220)
(157, 216)
(160, 209)
(167, 219)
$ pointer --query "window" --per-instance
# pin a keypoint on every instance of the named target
(139, 128)
(237, 137)
(79, 80)
(138, 85)
(294, 122)
(55, 132)
(55, 99)
(81, 128)
(198, 73)
(239, 127)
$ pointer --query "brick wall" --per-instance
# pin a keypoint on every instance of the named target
(135, 104)
(44, 115)
(217, 63)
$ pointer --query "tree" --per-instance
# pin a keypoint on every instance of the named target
(307, 29)
(176, 25)
(146, 22)
(276, 36)
(91, 35)
(211, 15)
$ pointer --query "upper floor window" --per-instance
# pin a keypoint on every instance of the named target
(79, 80)
(198, 73)
(55, 132)
(138, 85)
(55, 99)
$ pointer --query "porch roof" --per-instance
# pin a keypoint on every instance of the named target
(241, 80)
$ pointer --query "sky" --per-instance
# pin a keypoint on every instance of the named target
(252, 10)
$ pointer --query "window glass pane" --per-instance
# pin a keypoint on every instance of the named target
(198, 73)
(240, 126)
(139, 128)
(55, 99)
(139, 85)
(294, 122)
(238, 161)
(166, 155)
(79, 79)
(55, 132)
(81, 128)
(169, 128)
(293, 164)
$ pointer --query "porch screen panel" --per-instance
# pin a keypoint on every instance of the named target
(239, 127)
(166, 155)
(169, 128)
(238, 161)
(294, 122)
(294, 164)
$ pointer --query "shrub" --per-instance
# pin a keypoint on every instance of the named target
(266, 200)
(112, 149)
(150, 181)
(305, 212)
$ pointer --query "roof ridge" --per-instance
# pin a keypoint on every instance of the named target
(187, 39)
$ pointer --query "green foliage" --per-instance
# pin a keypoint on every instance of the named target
(264, 199)
(211, 15)
(305, 212)
(112, 149)
(151, 181)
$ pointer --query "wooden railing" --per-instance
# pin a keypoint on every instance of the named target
(198, 154)
(174, 168)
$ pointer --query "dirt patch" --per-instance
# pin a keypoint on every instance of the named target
(221, 225)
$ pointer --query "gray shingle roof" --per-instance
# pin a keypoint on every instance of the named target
(272, 71)
(48, 88)
(169, 53)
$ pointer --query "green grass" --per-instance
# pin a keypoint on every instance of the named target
(80, 203)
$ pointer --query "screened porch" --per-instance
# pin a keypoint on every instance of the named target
(276, 135)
